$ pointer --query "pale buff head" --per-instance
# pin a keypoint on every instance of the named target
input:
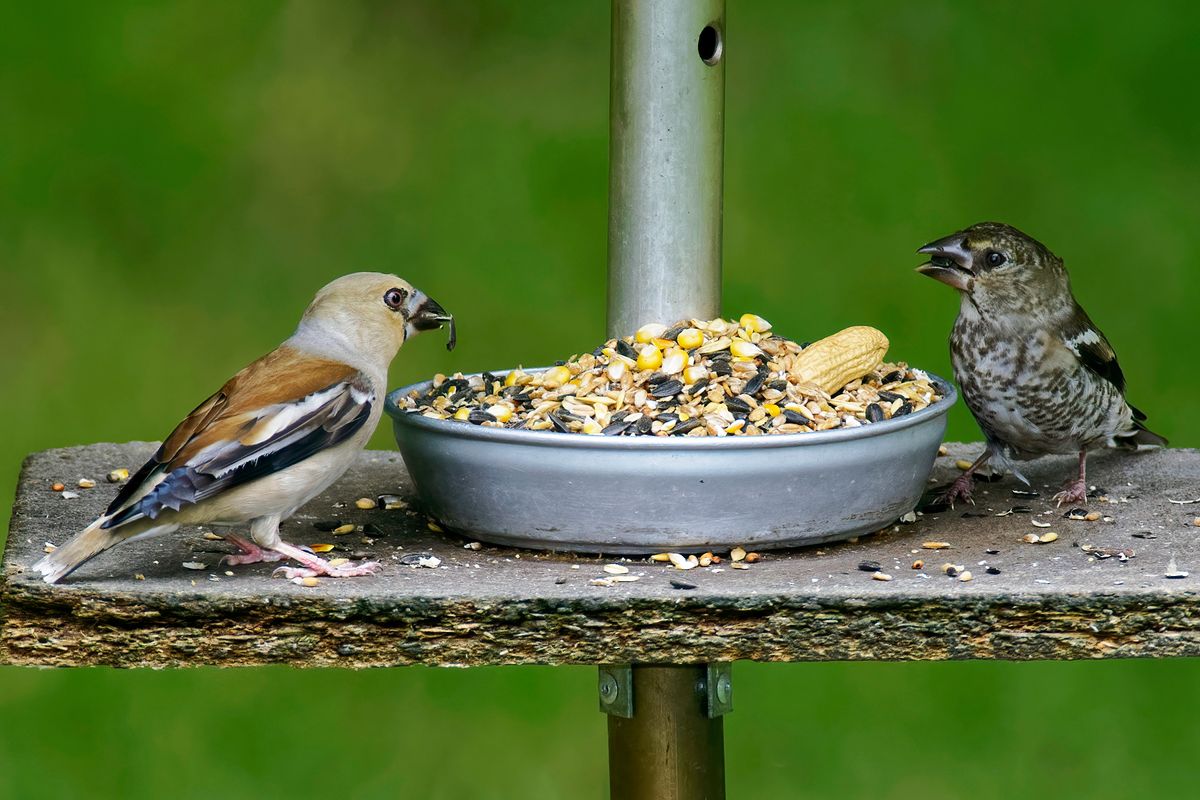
(370, 314)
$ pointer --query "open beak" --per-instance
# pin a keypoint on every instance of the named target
(426, 314)
(949, 262)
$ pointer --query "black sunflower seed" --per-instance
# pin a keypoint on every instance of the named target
(684, 427)
(779, 385)
(754, 384)
(870, 566)
(616, 428)
(794, 417)
(620, 415)
(737, 404)
(678, 584)
(905, 408)
(643, 425)
(875, 413)
(698, 387)
(891, 397)
(893, 377)
(673, 333)
(626, 349)
(667, 389)
(559, 423)
(668, 416)
(722, 368)
(1024, 493)
(993, 570)
(478, 416)
(657, 378)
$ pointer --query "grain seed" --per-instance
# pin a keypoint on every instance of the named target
(87, 483)
(616, 569)
(880, 576)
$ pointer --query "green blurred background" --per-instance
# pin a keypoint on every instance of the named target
(177, 179)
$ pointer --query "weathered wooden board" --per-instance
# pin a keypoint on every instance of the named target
(501, 606)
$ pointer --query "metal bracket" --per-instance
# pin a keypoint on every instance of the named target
(715, 690)
(616, 690)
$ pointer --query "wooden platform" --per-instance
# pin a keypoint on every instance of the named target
(502, 606)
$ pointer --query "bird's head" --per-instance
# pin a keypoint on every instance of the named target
(375, 313)
(997, 266)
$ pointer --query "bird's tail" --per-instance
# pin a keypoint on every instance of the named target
(89, 542)
(1141, 435)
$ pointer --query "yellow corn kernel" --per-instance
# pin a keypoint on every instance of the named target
(673, 361)
(462, 413)
(743, 349)
(690, 338)
(754, 323)
(772, 409)
(616, 370)
(511, 378)
(591, 426)
(650, 357)
(501, 411)
(696, 373)
(649, 332)
(555, 377)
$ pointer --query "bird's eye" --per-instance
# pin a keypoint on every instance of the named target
(995, 259)
(395, 298)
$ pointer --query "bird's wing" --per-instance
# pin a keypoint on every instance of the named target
(1085, 340)
(277, 412)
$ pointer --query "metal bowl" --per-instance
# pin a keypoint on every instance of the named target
(649, 494)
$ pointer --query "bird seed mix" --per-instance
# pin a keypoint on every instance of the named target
(698, 378)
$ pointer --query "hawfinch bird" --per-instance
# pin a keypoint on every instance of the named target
(1036, 372)
(275, 436)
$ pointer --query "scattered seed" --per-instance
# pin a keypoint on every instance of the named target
(137, 576)
(740, 565)
(951, 569)
(429, 562)
(966, 576)
(616, 569)
(194, 565)
(936, 545)
(560, 580)
(87, 483)
(993, 570)
(753, 557)
(661, 557)
(963, 464)
(706, 559)
(337, 562)
(308, 581)
(943, 450)
(678, 584)
(909, 518)
(57, 487)
(320, 548)
(991, 551)
(69, 495)
(365, 503)
(1030, 538)
(213, 537)
(1024, 493)
(49, 548)
(1196, 522)
(390, 502)
(1037, 523)
(600, 582)
(918, 564)
(737, 554)
(433, 526)
(342, 530)
(880, 576)
(626, 578)
(1076, 514)
(1092, 516)
(1046, 538)
(870, 566)
(473, 546)
(117, 475)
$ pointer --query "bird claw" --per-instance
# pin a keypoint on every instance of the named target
(959, 490)
(1074, 493)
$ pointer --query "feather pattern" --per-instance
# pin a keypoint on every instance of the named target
(275, 413)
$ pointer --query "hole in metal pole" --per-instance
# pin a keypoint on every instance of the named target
(709, 45)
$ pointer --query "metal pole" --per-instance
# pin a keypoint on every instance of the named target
(666, 140)
(673, 745)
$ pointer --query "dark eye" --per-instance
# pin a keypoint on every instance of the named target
(395, 298)
(995, 259)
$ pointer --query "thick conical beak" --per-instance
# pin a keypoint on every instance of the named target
(426, 314)
(949, 262)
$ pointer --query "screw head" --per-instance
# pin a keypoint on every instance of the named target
(608, 688)
(724, 688)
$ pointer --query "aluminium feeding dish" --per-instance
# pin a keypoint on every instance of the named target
(646, 494)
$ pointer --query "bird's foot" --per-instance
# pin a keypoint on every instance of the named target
(251, 553)
(314, 566)
(1073, 493)
(959, 490)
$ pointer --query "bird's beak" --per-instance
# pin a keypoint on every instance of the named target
(426, 314)
(949, 262)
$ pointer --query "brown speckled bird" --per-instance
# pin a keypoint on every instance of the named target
(1037, 374)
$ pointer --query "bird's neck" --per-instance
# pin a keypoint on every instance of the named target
(352, 346)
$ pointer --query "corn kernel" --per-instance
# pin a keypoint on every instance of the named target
(771, 409)
(754, 323)
(501, 411)
(650, 357)
(653, 330)
(690, 338)
(696, 373)
(743, 349)
(617, 370)
(555, 377)
(673, 361)
(511, 378)
(591, 426)
(462, 414)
